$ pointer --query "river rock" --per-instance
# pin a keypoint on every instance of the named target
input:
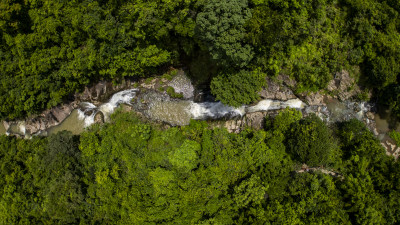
(315, 99)
(99, 118)
(375, 131)
(6, 125)
(333, 85)
(182, 84)
(61, 112)
(370, 115)
(396, 153)
(95, 93)
(343, 86)
(149, 85)
(101, 91)
(35, 125)
(276, 91)
(48, 118)
(256, 120)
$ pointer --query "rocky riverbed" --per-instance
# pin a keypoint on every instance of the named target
(149, 97)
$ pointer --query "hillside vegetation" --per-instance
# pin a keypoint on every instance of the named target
(130, 172)
(50, 50)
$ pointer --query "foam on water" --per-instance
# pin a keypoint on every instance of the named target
(294, 103)
(268, 104)
(88, 119)
(89, 110)
(214, 110)
(180, 112)
(17, 128)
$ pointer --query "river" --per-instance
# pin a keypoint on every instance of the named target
(160, 107)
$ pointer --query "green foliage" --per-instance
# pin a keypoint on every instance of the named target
(309, 194)
(220, 25)
(395, 136)
(49, 50)
(285, 120)
(312, 40)
(299, 38)
(390, 97)
(373, 26)
(310, 141)
(171, 92)
(238, 88)
(131, 172)
(61, 186)
(185, 157)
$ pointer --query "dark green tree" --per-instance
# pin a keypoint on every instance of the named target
(61, 185)
(236, 89)
(220, 25)
(310, 141)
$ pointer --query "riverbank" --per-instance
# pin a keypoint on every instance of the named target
(156, 99)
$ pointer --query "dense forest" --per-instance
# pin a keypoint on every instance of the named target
(50, 50)
(131, 172)
(296, 170)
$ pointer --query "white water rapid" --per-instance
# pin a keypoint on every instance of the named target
(88, 111)
(213, 110)
(267, 104)
(179, 112)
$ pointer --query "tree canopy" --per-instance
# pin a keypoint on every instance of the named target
(50, 50)
(132, 172)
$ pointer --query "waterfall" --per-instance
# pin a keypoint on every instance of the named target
(177, 112)
(88, 111)
(182, 111)
(160, 107)
(214, 110)
(267, 104)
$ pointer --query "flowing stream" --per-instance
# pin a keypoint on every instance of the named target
(174, 112)
(342, 111)
(181, 112)
(385, 122)
(161, 107)
(74, 123)
(85, 115)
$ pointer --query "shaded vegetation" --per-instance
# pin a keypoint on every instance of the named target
(238, 88)
(131, 172)
(50, 50)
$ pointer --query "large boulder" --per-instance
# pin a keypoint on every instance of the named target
(49, 118)
(344, 86)
(255, 120)
(276, 91)
(182, 84)
(6, 125)
(99, 118)
(287, 81)
(61, 112)
(101, 91)
(315, 99)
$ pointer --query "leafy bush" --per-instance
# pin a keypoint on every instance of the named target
(171, 92)
(310, 141)
(395, 136)
(390, 97)
(130, 172)
(238, 88)
(220, 26)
